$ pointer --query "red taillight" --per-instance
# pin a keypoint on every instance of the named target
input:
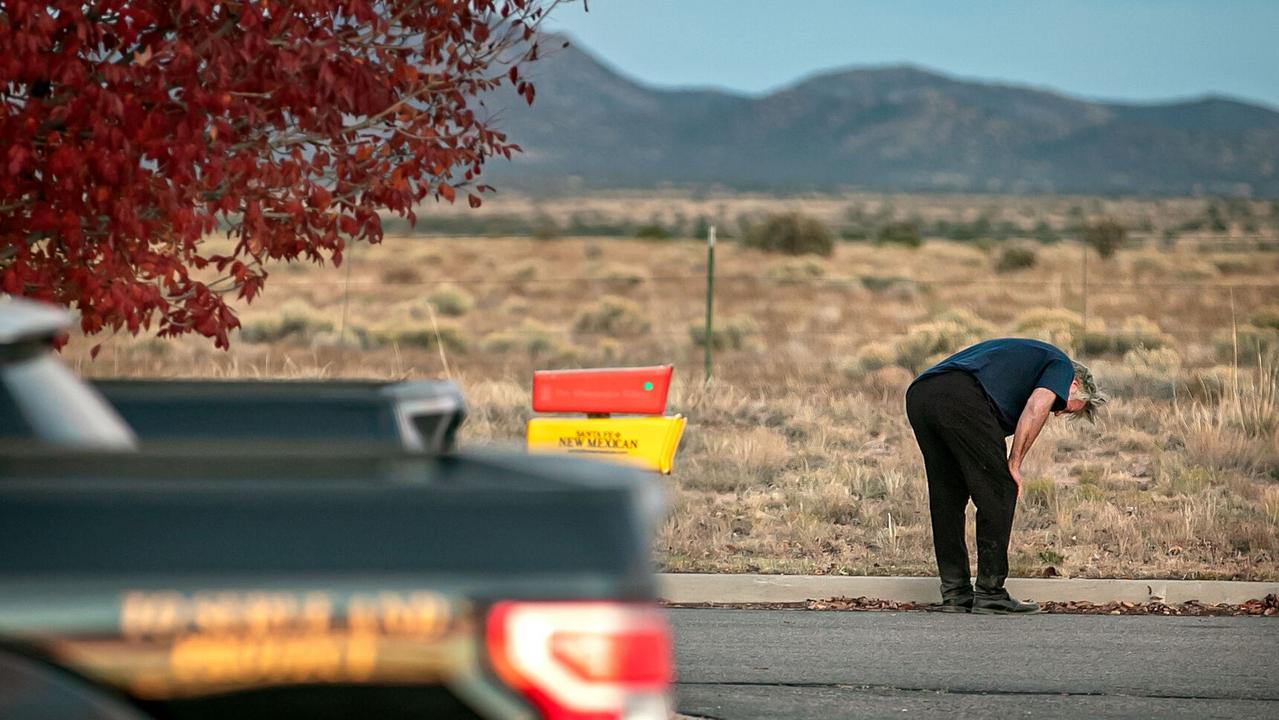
(584, 660)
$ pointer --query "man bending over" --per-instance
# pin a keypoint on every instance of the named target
(961, 409)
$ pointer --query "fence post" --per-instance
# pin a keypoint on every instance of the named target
(710, 297)
(1083, 342)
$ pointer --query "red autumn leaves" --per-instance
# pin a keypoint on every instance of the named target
(133, 130)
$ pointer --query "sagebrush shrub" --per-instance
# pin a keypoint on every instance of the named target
(924, 343)
(899, 233)
(1015, 257)
(1266, 317)
(1059, 326)
(533, 339)
(1105, 236)
(425, 335)
(294, 320)
(652, 231)
(797, 272)
(1253, 343)
(791, 233)
(1154, 374)
(730, 333)
(451, 300)
(613, 316)
(1138, 332)
(869, 358)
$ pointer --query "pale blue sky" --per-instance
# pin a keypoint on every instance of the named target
(1139, 50)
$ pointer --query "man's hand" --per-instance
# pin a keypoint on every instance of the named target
(1016, 473)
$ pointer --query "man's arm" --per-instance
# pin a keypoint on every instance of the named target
(1032, 420)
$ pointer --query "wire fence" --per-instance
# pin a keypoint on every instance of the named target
(810, 324)
(1240, 284)
(1263, 287)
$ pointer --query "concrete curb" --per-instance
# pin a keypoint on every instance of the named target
(715, 588)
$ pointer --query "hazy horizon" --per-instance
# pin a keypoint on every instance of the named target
(1136, 52)
(904, 64)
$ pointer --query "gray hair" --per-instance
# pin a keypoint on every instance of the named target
(1088, 392)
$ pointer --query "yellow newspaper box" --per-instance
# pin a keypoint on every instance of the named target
(646, 442)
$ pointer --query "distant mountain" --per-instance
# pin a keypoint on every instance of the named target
(883, 128)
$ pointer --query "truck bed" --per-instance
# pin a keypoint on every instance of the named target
(392, 414)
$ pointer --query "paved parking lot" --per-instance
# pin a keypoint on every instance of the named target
(744, 664)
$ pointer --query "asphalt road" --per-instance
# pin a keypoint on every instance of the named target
(794, 664)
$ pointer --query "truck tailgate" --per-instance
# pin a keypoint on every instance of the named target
(182, 576)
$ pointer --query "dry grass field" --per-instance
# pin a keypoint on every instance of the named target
(798, 458)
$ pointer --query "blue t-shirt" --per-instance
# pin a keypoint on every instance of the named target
(1010, 369)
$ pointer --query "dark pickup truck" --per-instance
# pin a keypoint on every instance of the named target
(415, 415)
(271, 578)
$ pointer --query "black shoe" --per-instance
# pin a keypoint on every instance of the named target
(953, 605)
(1001, 603)
(956, 597)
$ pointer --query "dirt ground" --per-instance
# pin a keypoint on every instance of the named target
(798, 457)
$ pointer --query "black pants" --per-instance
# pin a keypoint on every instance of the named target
(965, 457)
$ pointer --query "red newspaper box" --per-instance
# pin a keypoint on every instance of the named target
(625, 391)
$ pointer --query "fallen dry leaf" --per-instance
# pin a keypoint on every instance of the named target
(1263, 607)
